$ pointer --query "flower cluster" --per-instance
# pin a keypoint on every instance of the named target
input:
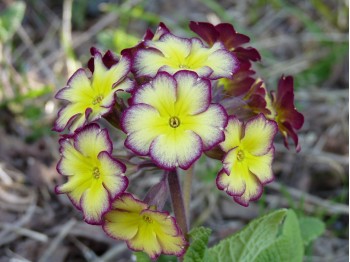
(175, 98)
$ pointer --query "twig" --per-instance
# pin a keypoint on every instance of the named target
(26, 232)
(316, 202)
(57, 240)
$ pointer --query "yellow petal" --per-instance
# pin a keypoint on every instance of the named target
(177, 147)
(121, 224)
(92, 140)
(233, 134)
(261, 166)
(258, 135)
(160, 93)
(253, 190)
(95, 201)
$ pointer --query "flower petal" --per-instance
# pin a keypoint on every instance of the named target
(208, 125)
(261, 166)
(112, 173)
(142, 123)
(176, 148)
(259, 135)
(142, 64)
(95, 202)
(253, 191)
(193, 93)
(231, 178)
(223, 62)
(233, 134)
(121, 224)
(92, 140)
(160, 93)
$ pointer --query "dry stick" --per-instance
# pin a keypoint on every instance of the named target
(26, 232)
(330, 207)
(57, 240)
(177, 201)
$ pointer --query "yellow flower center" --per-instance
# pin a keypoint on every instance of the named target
(97, 100)
(96, 173)
(240, 155)
(174, 121)
(147, 219)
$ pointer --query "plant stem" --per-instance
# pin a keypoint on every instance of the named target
(177, 201)
(187, 185)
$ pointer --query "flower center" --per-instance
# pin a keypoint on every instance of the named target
(98, 99)
(174, 121)
(147, 219)
(183, 66)
(96, 173)
(240, 155)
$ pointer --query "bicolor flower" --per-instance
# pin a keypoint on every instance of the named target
(172, 120)
(143, 228)
(249, 154)
(171, 54)
(90, 98)
(284, 112)
(227, 35)
(95, 178)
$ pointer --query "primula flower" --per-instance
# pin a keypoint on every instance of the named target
(90, 98)
(171, 119)
(284, 112)
(227, 35)
(95, 178)
(247, 163)
(143, 228)
(171, 54)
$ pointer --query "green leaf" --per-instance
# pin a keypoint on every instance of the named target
(199, 238)
(10, 19)
(311, 228)
(273, 237)
(142, 257)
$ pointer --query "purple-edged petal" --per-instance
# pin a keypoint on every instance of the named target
(173, 149)
(112, 172)
(261, 166)
(142, 123)
(93, 140)
(233, 134)
(193, 93)
(258, 135)
(209, 125)
(94, 202)
(253, 191)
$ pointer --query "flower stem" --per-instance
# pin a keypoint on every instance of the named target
(177, 201)
(187, 185)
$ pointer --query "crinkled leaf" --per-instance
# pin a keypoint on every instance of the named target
(311, 228)
(10, 19)
(199, 238)
(273, 237)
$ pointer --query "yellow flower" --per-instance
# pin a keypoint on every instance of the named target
(247, 163)
(89, 99)
(95, 178)
(143, 228)
(172, 120)
(171, 54)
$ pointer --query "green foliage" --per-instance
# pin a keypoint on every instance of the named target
(311, 228)
(10, 19)
(143, 257)
(117, 40)
(199, 238)
(273, 237)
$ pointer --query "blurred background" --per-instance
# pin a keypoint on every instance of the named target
(43, 42)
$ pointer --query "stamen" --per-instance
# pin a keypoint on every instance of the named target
(97, 100)
(174, 121)
(96, 173)
(147, 219)
(240, 155)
